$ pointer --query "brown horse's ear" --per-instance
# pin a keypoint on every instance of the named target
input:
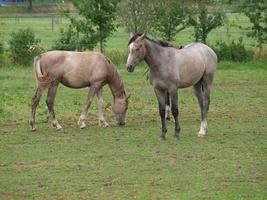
(143, 36)
(132, 34)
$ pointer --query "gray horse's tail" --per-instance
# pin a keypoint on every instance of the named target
(43, 80)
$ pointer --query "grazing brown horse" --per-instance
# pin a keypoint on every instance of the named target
(171, 68)
(78, 70)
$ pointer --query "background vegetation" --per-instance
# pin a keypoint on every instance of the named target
(130, 162)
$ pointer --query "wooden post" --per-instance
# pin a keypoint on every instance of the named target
(52, 23)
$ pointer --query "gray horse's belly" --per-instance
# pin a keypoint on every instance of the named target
(190, 75)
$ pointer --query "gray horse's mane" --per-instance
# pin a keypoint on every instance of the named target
(159, 42)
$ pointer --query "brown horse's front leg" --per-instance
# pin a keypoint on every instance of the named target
(92, 91)
(101, 105)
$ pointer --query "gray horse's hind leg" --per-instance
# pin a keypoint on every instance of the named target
(51, 94)
(102, 121)
(175, 112)
(161, 96)
(35, 102)
(202, 91)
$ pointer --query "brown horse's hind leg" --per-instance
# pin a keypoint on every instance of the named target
(168, 110)
(50, 104)
(35, 102)
(202, 91)
(92, 91)
(101, 105)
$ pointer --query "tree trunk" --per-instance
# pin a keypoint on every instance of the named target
(30, 5)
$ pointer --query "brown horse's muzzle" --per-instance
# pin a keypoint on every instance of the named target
(130, 67)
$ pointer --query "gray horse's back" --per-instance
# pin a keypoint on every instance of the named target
(207, 56)
(193, 62)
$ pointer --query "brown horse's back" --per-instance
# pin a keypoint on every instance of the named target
(75, 69)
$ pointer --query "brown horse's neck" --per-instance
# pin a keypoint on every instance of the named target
(116, 84)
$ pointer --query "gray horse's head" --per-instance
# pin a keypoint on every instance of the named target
(136, 51)
(119, 108)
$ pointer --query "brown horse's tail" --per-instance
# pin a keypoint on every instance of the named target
(43, 80)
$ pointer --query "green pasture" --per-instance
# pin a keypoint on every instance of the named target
(47, 29)
(130, 162)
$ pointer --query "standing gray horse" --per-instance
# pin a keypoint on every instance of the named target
(172, 68)
(78, 70)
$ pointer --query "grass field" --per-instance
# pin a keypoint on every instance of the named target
(130, 162)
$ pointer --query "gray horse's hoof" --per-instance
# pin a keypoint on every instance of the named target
(33, 129)
(176, 137)
(201, 135)
(162, 138)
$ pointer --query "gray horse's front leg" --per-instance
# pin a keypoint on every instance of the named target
(161, 96)
(175, 113)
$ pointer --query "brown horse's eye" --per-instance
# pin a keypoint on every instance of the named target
(137, 49)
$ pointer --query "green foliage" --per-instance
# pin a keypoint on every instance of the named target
(1, 48)
(136, 16)
(1, 54)
(117, 56)
(204, 22)
(171, 18)
(235, 51)
(95, 22)
(257, 14)
(68, 40)
(24, 46)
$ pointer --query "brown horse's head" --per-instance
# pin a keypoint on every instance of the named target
(136, 51)
(119, 108)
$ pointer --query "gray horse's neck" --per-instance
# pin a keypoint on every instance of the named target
(153, 55)
(116, 84)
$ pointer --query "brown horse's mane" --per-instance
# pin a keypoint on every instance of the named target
(159, 42)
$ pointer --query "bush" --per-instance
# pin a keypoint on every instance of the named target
(116, 56)
(1, 54)
(235, 51)
(67, 40)
(24, 46)
(1, 48)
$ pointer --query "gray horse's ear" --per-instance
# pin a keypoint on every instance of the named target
(143, 36)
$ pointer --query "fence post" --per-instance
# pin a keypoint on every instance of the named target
(52, 23)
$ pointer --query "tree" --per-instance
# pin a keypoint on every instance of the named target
(256, 11)
(136, 16)
(94, 24)
(205, 21)
(30, 5)
(172, 17)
